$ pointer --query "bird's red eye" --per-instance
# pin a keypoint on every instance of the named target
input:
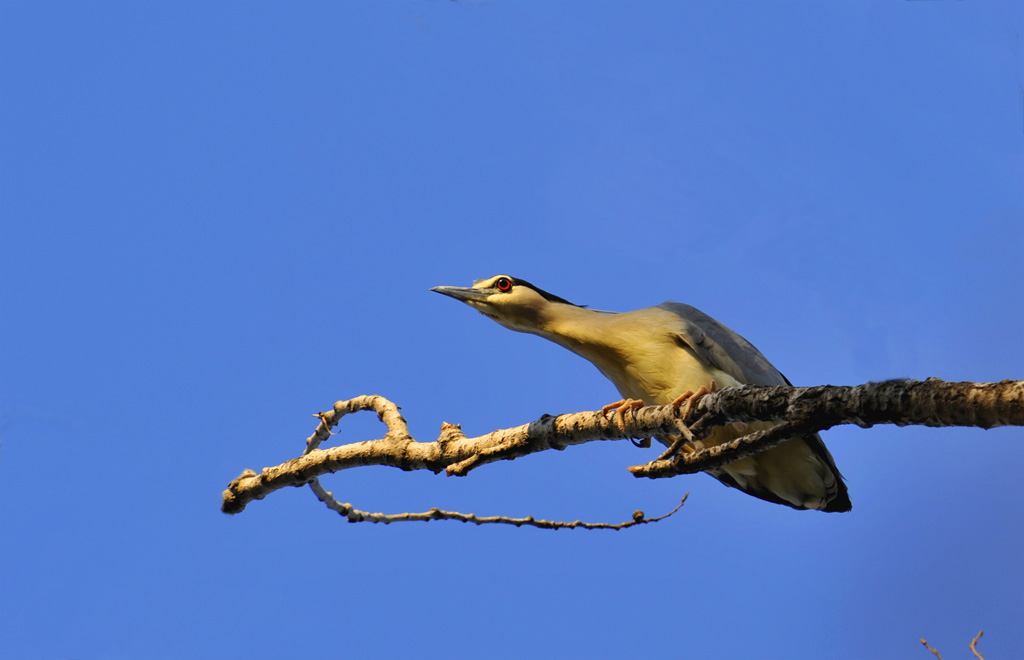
(503, 284)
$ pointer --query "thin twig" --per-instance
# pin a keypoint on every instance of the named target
(352, 514)
(710, 458)
(931, 649)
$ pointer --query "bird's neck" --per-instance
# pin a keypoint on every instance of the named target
(578, 329)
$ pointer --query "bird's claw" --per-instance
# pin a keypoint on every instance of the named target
(621, 407)
(691, 398)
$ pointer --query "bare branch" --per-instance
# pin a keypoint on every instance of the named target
(800, 409)
(452, 451)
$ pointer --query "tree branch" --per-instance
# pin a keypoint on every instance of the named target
(799, 409)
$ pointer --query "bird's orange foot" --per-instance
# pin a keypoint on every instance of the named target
(691, 398)
(612, 406)
(680, 400)
(621, 407)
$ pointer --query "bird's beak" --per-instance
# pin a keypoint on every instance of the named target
(464, 294)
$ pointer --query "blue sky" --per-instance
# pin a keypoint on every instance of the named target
(218, 218)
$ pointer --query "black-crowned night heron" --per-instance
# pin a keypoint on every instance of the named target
(657, 355)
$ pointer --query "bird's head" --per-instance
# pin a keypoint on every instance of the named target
(512, 302)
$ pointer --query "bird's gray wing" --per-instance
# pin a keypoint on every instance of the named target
(722, 348)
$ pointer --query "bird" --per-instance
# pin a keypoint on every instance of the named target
(660, 354)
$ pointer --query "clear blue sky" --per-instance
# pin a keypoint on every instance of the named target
(219, 218)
